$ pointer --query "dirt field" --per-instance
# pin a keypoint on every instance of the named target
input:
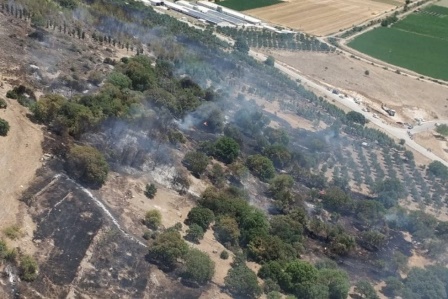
(20, 154)
(410, 97)
(322, 17)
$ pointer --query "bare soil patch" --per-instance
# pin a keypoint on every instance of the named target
(404, 94)
(20, 154)
(324, 16)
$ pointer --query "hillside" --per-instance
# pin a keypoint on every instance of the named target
(148, 158)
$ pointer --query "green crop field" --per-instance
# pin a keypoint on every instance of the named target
(247, 4)
(419, 42)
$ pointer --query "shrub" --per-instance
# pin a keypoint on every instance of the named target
(150, 190)
(13, 232)
(28, 268)
(4, 127)
(153, 219)
(261, 167)
(87, 164)
(200, 216)
(242, 282)
(438, 169)
(226, 150)
(441, 129)
(3, 104)
(196, 162)
(195, 233)
(199, 268)
(224, 255)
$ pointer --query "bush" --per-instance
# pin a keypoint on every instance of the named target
(199, 268)
(196, 162)
(356, 117)
(261, 167)
(242, 282)
(150, 190)
(28, 268)
(441, 129)
(438, 169)
(10, 94)
(87, 165)
(13, 232)
(4, 127)
(167, 248)
(195, 233)
(153, 219)
(3, 104)
(200, 216)
(224, 255)
(226, 150)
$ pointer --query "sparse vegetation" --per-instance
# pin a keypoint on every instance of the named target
(153, 219)
(13, 232)
(28, 268)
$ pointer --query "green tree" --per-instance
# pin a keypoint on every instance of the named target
(167, 248)
(227, 231)
(270, 61)
(242, 282)
(438, 169)
(153, 219)
(199, 268)
(4, 127)
(278, 154)
(337, 282)
(241, 45)
(224, 254)
(87, 165)
(335, 199)
(296, 273)
(425, 284)
(286, 228)
(150, 190)
(276, 136)
(261, 167)
(373, 240)
(442, 129)
(356, 117)
(196, 162)
(226, 150)
(119, 80)
(393, 287)
(365, 289)
(47, 108)
(28, 268)
(267, 248)
(200, 216)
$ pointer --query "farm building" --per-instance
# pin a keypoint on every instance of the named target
(229, 12)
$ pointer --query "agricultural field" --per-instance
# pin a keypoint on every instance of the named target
(323, 17)
(245, 5)
(406, 43)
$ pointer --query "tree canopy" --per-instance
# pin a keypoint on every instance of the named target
(87, 165)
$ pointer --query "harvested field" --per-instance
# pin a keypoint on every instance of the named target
(406, 43)
(323, 17)
(380, 85)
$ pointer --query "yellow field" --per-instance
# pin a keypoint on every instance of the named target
(322, 17)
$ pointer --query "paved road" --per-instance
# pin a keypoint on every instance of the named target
(391, 130)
